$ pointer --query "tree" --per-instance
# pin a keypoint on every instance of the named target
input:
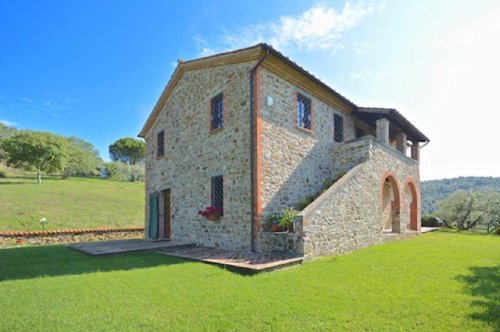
(82, 158)
(127, 150)
(5, 132)
(121, 171)
(40, 151)
(464, 210)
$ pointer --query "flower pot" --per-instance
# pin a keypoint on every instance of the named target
(213, 217)
(275, 228)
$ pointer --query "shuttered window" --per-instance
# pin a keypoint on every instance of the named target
(153, 216)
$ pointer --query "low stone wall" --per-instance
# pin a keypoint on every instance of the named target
(279, 242)
(69, 236)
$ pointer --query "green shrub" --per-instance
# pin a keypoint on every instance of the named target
(498, 231)
(3, 174)
(429, 221)
(339, 175)
(286, 219)
(328, 183)
(304, 202)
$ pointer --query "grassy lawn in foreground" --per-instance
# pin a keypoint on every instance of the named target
(434, 282)
(69, 203)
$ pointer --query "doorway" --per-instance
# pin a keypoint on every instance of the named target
(167, 214)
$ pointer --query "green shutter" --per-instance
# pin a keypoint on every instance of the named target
(153, 216)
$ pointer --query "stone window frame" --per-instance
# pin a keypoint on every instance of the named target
(338, 137)
(296, 95)
(223, 95)
(164, 144)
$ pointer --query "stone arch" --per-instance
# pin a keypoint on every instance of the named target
(390, 203)
(412, 202)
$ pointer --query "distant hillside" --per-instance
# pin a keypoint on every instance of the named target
(436, 190)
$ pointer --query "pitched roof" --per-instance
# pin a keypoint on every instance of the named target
(254, 53)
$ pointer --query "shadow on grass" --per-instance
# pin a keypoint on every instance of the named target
(484, 285)
(13, 182)
(34, 262)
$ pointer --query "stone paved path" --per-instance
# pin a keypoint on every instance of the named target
(250, 261)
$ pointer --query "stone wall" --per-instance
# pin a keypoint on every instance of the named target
(295, 162)
(193, 155)
(348, 216)
(69, 236)
(280, 242)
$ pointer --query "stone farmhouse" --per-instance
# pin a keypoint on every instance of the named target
(252, 133)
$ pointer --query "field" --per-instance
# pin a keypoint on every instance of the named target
(69, 203)
(434, 282)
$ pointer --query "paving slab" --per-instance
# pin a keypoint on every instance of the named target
(429, 229)
(123, 246)
(242, 260)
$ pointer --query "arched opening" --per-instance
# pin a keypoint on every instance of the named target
(390, 205)
(411, 199)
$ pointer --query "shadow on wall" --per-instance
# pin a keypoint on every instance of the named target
(484, 285)
(51, 261)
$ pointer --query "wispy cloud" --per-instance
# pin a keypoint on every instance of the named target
(322, 27)
(51, 103)
(8, 123)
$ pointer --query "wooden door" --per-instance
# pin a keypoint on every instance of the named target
(167, 214)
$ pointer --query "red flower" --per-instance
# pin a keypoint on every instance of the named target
(211, 210)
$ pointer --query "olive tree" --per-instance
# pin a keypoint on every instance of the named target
(464, 210)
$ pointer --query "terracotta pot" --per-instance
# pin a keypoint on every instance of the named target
(275, 228)
(213, 217)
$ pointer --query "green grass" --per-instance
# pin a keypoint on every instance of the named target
(434, 282)
(69, 203)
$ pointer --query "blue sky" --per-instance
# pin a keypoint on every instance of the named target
(94, 69)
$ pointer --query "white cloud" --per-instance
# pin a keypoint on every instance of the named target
(8, 123)
(321, 27)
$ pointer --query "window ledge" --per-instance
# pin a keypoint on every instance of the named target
(304, 130)
(215, 131)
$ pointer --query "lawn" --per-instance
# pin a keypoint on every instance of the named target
(69, 203)
(434, 282)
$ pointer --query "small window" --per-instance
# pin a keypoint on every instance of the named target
(217, 194)
(217, 112)
(338, 128)
(160, 144)
(304, 119)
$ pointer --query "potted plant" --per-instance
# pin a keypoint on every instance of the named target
(212, 213)
(272, 222)
(286, 220)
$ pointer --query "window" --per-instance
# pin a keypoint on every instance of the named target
(338, 128)
(217, 194)
(217, 112)
(160, 144)
(304, 119)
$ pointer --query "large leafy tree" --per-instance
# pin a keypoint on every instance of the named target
(82, 158)
(464, 210)
(40, 151)
(127, 150)
(5, 132)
